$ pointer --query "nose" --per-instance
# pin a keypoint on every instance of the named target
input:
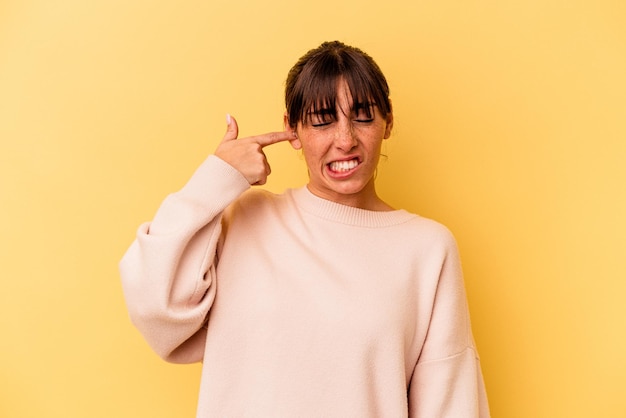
(345, 137)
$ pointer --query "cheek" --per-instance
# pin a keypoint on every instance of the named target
(311, 154)
(312, 145)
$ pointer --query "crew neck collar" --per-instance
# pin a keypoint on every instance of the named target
(350, 215)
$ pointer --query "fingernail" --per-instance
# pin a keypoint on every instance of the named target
(228, 119)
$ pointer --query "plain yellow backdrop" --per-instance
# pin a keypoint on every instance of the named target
(510, 128)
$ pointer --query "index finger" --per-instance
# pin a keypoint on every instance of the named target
(273, 138)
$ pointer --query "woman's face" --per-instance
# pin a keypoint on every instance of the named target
(342, 154)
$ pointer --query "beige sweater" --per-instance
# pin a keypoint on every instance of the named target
(301, 307)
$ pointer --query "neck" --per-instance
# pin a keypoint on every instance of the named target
(365, 199)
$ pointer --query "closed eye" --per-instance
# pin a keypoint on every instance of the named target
(319, 125)
(321, 118)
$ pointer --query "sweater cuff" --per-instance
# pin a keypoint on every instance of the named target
(215, 178)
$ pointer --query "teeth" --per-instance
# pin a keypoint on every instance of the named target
(343, 165)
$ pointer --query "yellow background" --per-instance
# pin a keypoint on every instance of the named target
(510, 129)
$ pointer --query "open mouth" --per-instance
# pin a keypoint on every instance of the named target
(343, 166)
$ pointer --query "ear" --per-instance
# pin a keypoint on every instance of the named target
(295, 143)
(389, 121)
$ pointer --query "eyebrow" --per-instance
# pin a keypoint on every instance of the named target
(330, 111)
(363, 105)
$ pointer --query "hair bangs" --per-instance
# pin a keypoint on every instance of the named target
(318, 93)
(311, 87)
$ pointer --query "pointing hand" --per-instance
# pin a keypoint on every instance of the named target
(246, 154)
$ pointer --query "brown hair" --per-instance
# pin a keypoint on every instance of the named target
(311, 85)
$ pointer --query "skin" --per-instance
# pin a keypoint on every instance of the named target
(246, 154)
(352, 137)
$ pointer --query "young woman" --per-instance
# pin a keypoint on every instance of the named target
(322, 301)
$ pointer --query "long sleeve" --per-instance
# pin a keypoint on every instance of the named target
(447, 381)
(168, 273)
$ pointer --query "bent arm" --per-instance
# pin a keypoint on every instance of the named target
(168, 273)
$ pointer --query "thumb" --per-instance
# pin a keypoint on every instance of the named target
(232, 129)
